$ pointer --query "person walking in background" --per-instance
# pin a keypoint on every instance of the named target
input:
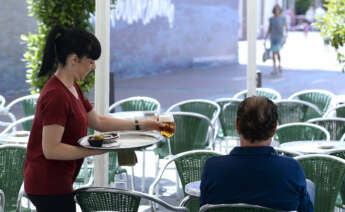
(277, 23)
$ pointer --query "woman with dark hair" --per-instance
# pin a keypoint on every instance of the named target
(63, 114)
(277, 37)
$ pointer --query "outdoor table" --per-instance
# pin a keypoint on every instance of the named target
(192, 190)
(18, 137)
(128, 140)
(312, 147)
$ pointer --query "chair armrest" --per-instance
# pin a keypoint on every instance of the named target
(185, 200)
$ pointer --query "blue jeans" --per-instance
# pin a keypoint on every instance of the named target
(311, 190)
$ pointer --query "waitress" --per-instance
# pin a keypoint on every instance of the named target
(62, 116)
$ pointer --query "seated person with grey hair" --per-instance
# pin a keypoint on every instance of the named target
(254, 173)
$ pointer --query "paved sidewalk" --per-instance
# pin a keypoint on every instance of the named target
(307, 64)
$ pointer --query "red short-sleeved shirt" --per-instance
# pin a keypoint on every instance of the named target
(56, 105)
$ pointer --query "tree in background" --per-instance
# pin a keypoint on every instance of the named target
(50, 13)
(332, 26)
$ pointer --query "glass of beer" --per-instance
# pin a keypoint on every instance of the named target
(168, 128)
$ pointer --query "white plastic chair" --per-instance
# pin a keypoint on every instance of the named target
(191, 133)
(6, 110)
(15, 124)
(189, 165)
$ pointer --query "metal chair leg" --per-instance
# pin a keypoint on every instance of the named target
(127, 181)
(178, 188)
(132, 181)
(143, 178)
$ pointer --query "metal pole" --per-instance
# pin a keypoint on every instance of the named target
(258, 79)
(251, 37)
(111, 88)
(102, 81)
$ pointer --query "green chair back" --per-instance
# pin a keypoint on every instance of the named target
(300, 132)
(191, 132)
(290, 111)
(189, 168)
(138, 103)
(321, 98)
(340, 112)
(12, 159)
(327, 173)
(109, 199)
(227, 117)
(207, 108)
(235, 208)
(102, 200)
(29, 108)
(335, 126)
(266, 92)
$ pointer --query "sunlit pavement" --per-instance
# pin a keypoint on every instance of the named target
(299, 52)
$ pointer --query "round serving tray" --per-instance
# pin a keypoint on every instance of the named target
(128, 140)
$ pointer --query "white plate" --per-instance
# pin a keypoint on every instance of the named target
(127, 140)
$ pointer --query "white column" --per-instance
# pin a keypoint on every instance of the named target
(251, 37)
(102, 81)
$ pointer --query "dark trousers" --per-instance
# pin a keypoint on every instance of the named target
(53, 203)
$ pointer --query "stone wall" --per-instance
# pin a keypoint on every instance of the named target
(205, 32)
(14, 21)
